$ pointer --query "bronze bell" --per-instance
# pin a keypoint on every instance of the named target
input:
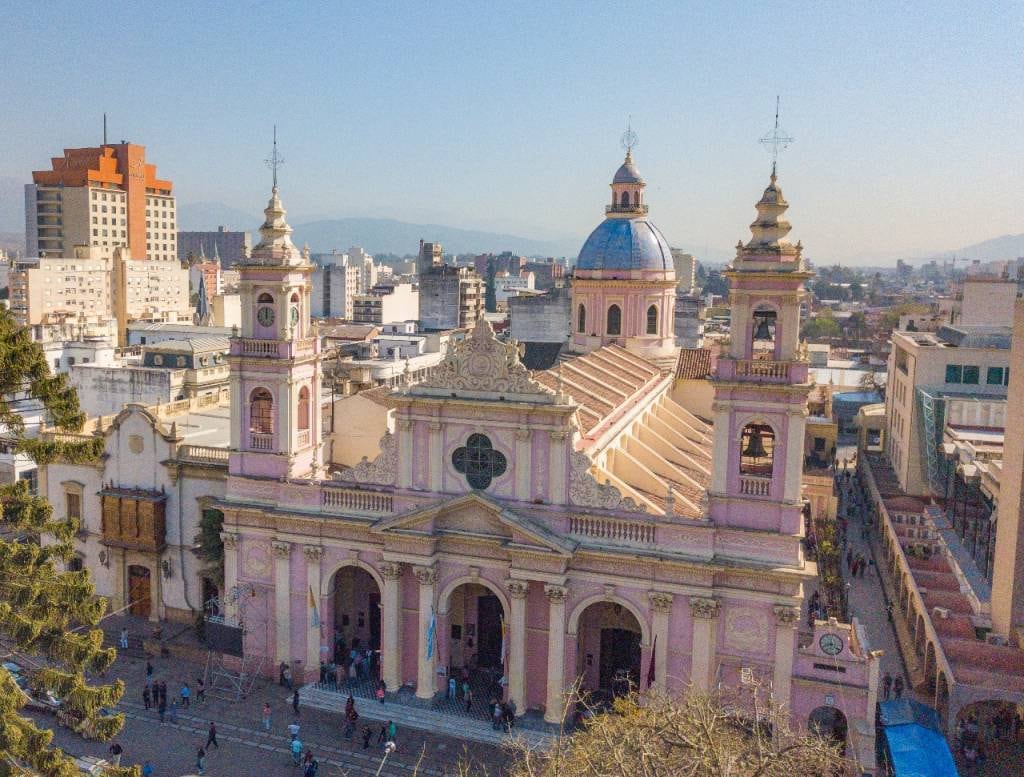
(763, 331)
(755, 447)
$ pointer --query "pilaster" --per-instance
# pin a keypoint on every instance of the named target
(523, 464)
(314, 554)
(705, 632)
(426, 684)
(230, 541)
(436, 462)
(661, 608)
(556, 467)
(391, 606)
(405, 453)
(787, 619)
(282, 601)
(795, 426)
(517, 590)
(555, 700)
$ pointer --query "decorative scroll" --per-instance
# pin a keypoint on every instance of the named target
(585, 491)
(380, 471)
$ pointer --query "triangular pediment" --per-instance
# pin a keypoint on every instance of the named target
(474, 515)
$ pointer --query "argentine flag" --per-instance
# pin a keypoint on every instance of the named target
(431, 629)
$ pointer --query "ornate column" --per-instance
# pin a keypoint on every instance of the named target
(405, 453)
(557, 463)
(435, 463)
(795, 429)
(391, 633)
(721, 461)
(426, 684)
(787, 619)
(230, 541)
(705, 620)
(282, 601)
(517, 590)
(314, 553)
(524, 464)
(555, 701)
(661, 607)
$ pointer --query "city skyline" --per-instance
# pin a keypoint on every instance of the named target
(509, 121)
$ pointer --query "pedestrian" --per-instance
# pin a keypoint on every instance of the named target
(311, 767)
(174, 711)
(186, 695)
(849, 559)
(115, 753)
(392, 731)
(897, 686)
(211, 737)
(293, 729)
(467, 694)
(888, 611)
(295, 702)
(383, 733)
(149, 672)
(163, 692)
(200, 762)
(296, 751)
(147, 770)
(162, 708)
(280, 673)
(886, 686)
(495, 715)
(200, 689)
(451, 688)
(124, 638)
(266, 716)
(380, 692)
(145, 697)
(351, 716)
(366, 737)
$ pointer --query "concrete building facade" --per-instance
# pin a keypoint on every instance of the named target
(229, 246)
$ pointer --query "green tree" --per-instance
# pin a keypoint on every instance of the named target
(821, 327)
(48, 617)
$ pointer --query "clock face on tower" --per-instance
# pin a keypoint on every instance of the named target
(265, 315)
(831, 644)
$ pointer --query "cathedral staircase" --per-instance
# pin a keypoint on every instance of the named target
(405, 710)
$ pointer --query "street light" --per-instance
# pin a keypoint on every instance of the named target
(389, 748)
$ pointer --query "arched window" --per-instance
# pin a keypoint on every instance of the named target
(265, 299)
(625, 199)
(581, 319)
(303, 408)
(614, 320)
(757, 450)
(652, 320)
(261, 412)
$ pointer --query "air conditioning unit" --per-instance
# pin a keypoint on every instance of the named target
(940, 612)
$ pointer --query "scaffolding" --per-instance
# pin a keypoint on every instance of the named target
(228, 676)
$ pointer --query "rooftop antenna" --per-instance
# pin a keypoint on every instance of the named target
(776, 140)
(104, 128)
(275, 160)
(629, 139)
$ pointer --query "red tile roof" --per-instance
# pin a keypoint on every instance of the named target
(693, 363)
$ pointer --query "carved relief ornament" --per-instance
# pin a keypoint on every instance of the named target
(660, 601)
(229, 539)
(517, 589)
(786, 615)
(281, 549)
(382, 470)
(585, 491)
(556, 593)
(391, 570)
(426, 575)
(313, 552)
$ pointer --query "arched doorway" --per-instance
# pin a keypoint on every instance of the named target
(139, 592)
(609, 639)
(475, 623)
(829, 722)
(355, 605)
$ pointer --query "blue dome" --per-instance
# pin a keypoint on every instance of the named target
(625, 244)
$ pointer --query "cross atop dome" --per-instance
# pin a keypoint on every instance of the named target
(275, 246)
(627, 185)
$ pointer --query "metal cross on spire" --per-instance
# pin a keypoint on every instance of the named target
(275, 160)
(629, 138)
(776, 140)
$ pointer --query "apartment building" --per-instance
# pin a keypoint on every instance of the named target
(229, 246)
(385, 303)
(450, 297)
(104, 197)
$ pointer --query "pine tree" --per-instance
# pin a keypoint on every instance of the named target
(48, 617)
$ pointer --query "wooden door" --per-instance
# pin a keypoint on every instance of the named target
(139, 591)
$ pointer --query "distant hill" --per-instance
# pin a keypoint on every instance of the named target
(207, 216)
(994, 250)
(400, 237)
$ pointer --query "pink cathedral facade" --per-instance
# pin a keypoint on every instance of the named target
(547, 526)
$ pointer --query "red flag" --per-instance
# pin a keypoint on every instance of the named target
(650, 669)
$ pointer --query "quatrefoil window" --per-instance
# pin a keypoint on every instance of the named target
(479, 462)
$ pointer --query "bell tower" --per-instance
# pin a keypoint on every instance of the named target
(761, 383)
(275, 359)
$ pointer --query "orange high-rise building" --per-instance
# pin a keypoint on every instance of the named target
(106, 197)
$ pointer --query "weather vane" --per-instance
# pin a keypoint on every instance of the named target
(776, 140)
(629, 138)
(275, 160)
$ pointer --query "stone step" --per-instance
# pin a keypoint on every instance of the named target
(420, 718)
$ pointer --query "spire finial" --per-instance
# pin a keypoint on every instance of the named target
(776, 140)
(275, 160)
(629, 139)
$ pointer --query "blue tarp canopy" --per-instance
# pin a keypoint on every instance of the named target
(914, 742)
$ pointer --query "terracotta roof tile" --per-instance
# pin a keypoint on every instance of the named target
(693, 363)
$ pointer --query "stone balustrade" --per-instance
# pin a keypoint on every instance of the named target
(350, 500)
(203, 454)
(613, 530)
(755, 486)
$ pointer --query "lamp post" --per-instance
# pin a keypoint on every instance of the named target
(389, 748)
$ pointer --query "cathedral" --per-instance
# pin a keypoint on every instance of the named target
(579, 523)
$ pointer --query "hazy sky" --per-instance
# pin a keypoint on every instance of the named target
(908, 123)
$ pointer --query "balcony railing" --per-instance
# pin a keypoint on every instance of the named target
(252, 347)
(352, 500)
(203, 454)
(625, 208)
(755, 486)
(303, 437)
(612, 529)
(261, 442)
(763, 370)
